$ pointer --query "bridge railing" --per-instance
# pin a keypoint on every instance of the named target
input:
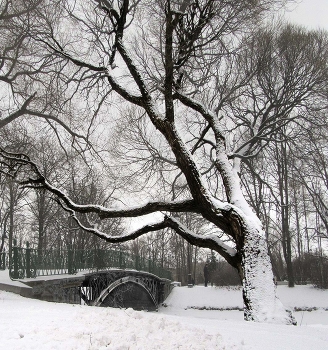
(28, 262)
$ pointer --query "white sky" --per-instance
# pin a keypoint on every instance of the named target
(311, 13)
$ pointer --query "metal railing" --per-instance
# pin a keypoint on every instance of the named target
(29, 263)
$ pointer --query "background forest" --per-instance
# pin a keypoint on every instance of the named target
(291, 200)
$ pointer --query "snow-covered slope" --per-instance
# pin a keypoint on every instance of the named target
(32, 324)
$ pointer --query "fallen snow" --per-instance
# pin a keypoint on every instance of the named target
(33, 324)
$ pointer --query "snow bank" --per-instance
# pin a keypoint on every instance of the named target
(33, 324)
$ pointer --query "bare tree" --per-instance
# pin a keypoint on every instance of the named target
(191, 77)
(26, 76)
(288, 99)
(209, 91)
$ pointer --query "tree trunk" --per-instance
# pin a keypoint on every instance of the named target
(41, 222)
(11, 218)
(282, 163)
(195, 262)
(259, 292)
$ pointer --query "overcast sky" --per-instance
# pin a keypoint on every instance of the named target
(311, 13)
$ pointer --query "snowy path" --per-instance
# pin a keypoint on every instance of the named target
(32, 324)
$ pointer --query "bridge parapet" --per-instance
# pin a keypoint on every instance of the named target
(61, 289)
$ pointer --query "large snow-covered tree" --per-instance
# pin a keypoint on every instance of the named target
(207, 92)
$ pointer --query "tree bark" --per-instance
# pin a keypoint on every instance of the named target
(259, 293)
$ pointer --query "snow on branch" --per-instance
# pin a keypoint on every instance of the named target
(14, 163)
(188, 205)
(117, 239)
(209, 241)
(106, 213)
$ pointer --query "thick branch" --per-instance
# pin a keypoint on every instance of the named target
(209, 241)
(18, 113)
(118, 239)
(208, 115)
(168, 83)
(105, 213)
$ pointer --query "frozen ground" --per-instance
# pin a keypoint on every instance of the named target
(32, 324)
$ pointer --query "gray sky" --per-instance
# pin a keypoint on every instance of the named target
(311, 13)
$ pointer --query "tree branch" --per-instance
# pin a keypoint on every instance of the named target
(102, 212)
(137, 100)
(58, 121)
(210, 241)
(18, 113)
(117, 239)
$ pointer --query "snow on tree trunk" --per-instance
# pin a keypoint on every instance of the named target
(259, 292)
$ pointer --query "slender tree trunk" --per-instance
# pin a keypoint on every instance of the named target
(195, 262)
(284, 204)
(306, 222)
(41, 222)
(11, 218)
(4, 231)
(298, 231)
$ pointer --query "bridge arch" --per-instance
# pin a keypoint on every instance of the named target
(125, 292)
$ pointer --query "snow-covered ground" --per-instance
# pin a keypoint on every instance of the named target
(32, 324)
